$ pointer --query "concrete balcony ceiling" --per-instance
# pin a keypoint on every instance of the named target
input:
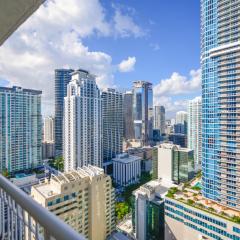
(13, 13)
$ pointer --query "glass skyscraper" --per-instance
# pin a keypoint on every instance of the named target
(220, 62)
(143, 111)
(20, 129)
(62, 78)
(112, 124)
(159, 119)
(128, 115)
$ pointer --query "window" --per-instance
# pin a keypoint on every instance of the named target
(66, 197)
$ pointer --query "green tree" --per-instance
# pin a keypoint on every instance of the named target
(122, 209)
(58, 163)
(190, 201)
(236, 219)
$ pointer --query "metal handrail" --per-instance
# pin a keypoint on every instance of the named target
(54, 226)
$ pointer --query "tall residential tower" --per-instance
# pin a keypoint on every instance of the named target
(48, 129)
(82, 133)
(62, 78)
(195, 129)
(215, 215)
(20, 129)
(112, 119)
(220, 59)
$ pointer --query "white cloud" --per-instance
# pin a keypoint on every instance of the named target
(167, 89)
(53, 38)
(127, 65)
(125, 26)
(178, 84)
(170, 105)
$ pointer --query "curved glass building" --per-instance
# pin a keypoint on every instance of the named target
(220, 62)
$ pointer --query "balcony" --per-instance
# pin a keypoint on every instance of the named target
(23, 218)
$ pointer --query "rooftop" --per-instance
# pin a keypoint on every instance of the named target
(47, 189)
(139, 84)
(20, 90)
(190, 194)
(174, 146)
(154, 190)
(126, 158)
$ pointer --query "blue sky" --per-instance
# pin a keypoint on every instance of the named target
(120, 41)
(173, 26)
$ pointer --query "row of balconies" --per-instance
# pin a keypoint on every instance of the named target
(229, 106)
(228, 17)
(228, 66)
(229, 111)
(228, 83)
(226, 11)
(229, 59)
(223, 4)
(228, 91)
(229, 79)
(229, 39)
(229, 117)
(232, 23)
(226, 73)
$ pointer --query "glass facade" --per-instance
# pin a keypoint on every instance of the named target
(20, 129)
(112, 114)
(200, 221)
(143, 111)
(220, 57)
(155, 221)
(182, 166)
(155, 163)
(128, 115)
(62, 78)
(148, 212)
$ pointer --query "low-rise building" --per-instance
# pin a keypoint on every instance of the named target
(188, 216)
(145, 153)
(173, 164)
(126, 169)
(148, 211)
(83, 198)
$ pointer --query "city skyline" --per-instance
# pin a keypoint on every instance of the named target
(120, 118)
(134, 28)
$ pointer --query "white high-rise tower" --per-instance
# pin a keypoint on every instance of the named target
(82, 130)
(48, 129)
(181, 117)
(195, 129)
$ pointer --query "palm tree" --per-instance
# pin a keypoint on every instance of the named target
(58, 163)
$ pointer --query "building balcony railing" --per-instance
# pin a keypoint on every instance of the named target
(22, 218)
(234, 67)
